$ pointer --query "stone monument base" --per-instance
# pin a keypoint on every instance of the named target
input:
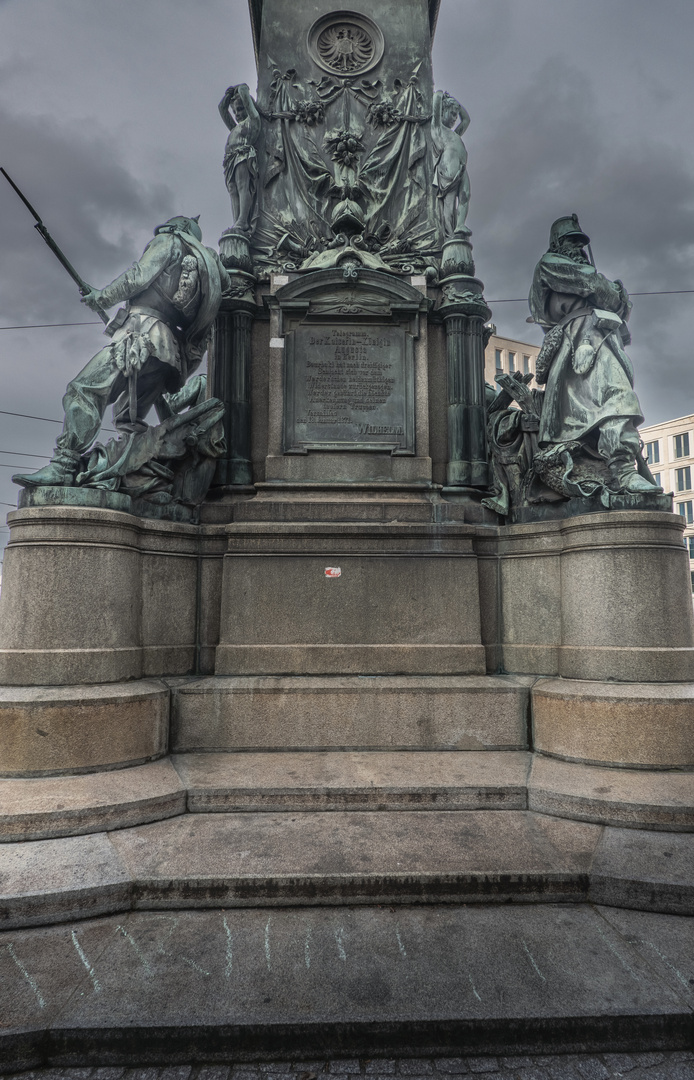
(296, 769)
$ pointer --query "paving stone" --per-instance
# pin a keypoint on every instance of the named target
(561, 1069)
(415, 1067)
(592, 1069)
(683, 1070)
(316, 973)
(675, 1065)
(619, 1063)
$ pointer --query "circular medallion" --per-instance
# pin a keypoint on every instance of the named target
(345, 43)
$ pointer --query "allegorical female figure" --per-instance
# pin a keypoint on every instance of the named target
(238, 111)
(449, 123)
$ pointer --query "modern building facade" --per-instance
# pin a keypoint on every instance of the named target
(506, 355)
(669, 448)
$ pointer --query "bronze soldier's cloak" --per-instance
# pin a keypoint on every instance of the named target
(581, 393)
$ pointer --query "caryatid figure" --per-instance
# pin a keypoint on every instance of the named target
(450, 121)
(238, 111)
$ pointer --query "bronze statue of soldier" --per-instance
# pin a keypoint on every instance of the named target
(589, 396)
(158, 339)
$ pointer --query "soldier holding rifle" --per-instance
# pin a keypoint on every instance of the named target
(172, 296)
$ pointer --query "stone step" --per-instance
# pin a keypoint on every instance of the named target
(274, 860)
(40, 808)
(638, 798)
(351, 712)
(371, 780)
(363, 982)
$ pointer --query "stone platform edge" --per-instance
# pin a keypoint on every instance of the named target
(276, 860)
(41, 808)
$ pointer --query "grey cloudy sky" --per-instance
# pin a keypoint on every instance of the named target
(108, 120)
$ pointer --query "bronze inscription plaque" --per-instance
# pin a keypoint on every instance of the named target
(349, 388)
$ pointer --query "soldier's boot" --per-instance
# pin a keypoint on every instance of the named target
(627, 479)
(60, 472)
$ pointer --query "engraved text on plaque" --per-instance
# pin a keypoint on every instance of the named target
(349, 388)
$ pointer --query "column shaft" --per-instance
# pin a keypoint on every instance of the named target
(467, 417)
(230, 381)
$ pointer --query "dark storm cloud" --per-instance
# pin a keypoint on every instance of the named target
(637, 206)
(109, 122)
(97, 211)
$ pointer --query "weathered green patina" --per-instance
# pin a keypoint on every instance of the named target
(578, 440)
(348, 156)
(158, 339)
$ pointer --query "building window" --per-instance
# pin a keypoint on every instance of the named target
(684, 478)
(511, 361)
(526, 364)
(692, 577)
(682, 445)
(499, 361)
(689, 542)
(653, 452)
(656, 477)
(686, 510)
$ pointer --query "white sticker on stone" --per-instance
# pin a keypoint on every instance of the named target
(276, 342)
(333, 571)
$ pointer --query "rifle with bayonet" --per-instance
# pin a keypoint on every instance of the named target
(43, 232)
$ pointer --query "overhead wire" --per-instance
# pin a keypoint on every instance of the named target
(513, 300)
(658, 292)
(19, 453)
(41, 325)
(46, 419)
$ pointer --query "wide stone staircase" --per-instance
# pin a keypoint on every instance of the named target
(344, 865)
